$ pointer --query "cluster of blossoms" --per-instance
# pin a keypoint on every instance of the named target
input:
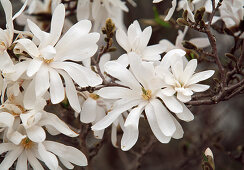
(39, 67)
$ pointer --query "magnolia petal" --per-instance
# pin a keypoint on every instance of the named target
(4, 147)
(71, 92)
(145, 37)
(122, 40)
(114, 114)
(114, 92)
(10, 158)
(36, 134)
(68, 153)
(171, 102)
(6, 119)
(88, 112)
(53, 120)
(168, 91)
(200, 42)
(183, 98)
(38, 33)
(33, 67)
(189, 70)
(154, 50)
(186, 115)
(33, 161)
(154, 124)
(7, 7)
(29, 46)
(198, 87)
(22, 162)
(29, 98)
(42, 83)
(165, 122)
(200, 76)
(179, 131)
(83, 9)
(56, 87)
(47, 157)
(171, 10)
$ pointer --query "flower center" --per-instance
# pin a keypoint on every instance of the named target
(27, 143)
(94, 96)
(146, 94)
(47, 54)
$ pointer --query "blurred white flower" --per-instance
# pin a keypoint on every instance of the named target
(208, 152)
(157, 1)
(182, 79)
(144, 92)
(48, 151)
(200, 42)
(48, 60)
(136, 41)
(99, 10)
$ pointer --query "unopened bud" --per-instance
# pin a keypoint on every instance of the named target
(189, 45)
(182, 22)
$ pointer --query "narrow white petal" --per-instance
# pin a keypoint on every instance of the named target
(6, 119)
(22, 162)
(183, 98)
(7, 7)
(165, 122)
(179, 131)
(171, 11)
(36, 134)
(4, 147)
(198, 87)
(33, 161)
(154, 50)
(68, 153)
(200, 42)
(29, 98)
(154, 124)
(88, 112)
(122, 40)
(145, 37)
(47, 157)
(29, 46)
(189, 70)
(10, 158)
(114, 92)
(56, 87)
(38, 33)
(41, 81)
(33, 67)
(83, 9)
(172, 57)
(113, 115)
(71, 92)
(171, 102)
(186, 115)
(67, 164)
(200, 76)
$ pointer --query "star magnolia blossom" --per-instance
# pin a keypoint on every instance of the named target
(98, 11)
(199, 42)
(48, 151)
(144, 92)
(181, 79)
(49, 60)
(136, 41)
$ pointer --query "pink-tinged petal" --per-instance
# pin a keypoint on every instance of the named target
(179, 131)
(186, 115)
(33, 67)
(36, 134)
(114, 92)
(165, 122)
(122, 40)
(200, 76)
(83, 9)
(183, 98)
(200, 42)
(154, 124)
(171, 11)
(47, 157)
(120, 72)
(171, 102)
(189, 70)
(71, 92)
(57, 24)
(68, 153)
(10, 158)
(41, 81)
(198, 87)
(113, 115)
(56, 87)
(30, 47)
(33, 161)
(53, 120)
(131, 131)
(22, 162)
(88, 111)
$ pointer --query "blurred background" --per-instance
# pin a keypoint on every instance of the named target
(219, 127)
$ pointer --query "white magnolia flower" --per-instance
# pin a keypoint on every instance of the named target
(29, 152)
(49, 60)
(136, 41)
(157, 1)
(98, 11)
(199, 42)
(182, 79)
(144, 92)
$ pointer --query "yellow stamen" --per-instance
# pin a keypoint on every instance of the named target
(47, 61)
(27, 143)
(94, 96)
(146, 94)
